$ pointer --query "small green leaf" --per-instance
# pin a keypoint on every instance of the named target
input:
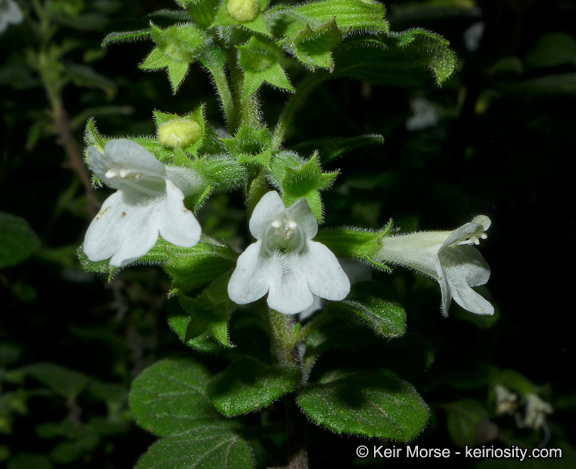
(64, 382)
(366, 404)
(400, 59)
(358, 15)
(369, 301)
(355, 243)
(199, 448)
(553, 49)
(334, 147)
(83, 75)
(248, 385)
(17, 240)
(127, 36)
(169, 398)
(199, 265)
(203, 11)
(205, 316)
(464, 419)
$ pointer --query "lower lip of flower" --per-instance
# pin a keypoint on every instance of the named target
(283, 236)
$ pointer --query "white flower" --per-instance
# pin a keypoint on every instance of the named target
(10, 13)
(147, 203)
(536, 411)
(284, 261)
(447, 257)
(506, 401)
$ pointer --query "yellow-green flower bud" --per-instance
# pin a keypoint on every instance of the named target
(180, 133)
(243, 10)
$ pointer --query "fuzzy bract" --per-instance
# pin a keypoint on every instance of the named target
(148, 203)
(284, 261)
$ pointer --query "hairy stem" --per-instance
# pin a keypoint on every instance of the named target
(287, 353)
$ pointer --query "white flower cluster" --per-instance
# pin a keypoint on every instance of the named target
(284, 262)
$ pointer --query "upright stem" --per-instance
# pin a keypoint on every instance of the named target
(287, 353)
(247, 110)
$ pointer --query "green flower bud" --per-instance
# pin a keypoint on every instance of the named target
(180, 133)
(243, 10)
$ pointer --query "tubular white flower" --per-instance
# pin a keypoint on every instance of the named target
(10, 13)
(284, 261)
(147, 203)
(449, 258)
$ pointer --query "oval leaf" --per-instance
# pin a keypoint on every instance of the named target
(366, 404)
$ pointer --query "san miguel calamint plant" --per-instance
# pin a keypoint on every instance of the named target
(274, 308)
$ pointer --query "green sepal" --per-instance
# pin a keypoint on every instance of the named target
(169, 398)
(248, 385)
(176, 70)
(260, 60)
(356, 15)
(127, 36)
(251, 146)
(196, 266)
(92, 137)
(370, 302)
(334, 147)
(399, 59)
(302, 179)
(17, 240)
(258, 24)
(355, 243)
(367, 404)
(206, 316)
(313, 46)
(177, 47)
(209, 447)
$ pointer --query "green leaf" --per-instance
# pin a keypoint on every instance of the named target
(366, 404)
(400, 59)
(302, 180)
(169, 398)
(62, 381)
(206, 316)
(248, 385)
(203, 11)
(199, 448)
(179, 320)
(17, 240)
(127, 36)
(552, 50)
(83, 75)
(355, 243)
(370, 302)
(334, 147)
(464, 419)
(358, 15)
(199, 265)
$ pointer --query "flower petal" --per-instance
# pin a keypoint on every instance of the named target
(301, 213)
(289, 292)
(463, 293)
(252, 276)
(323, 273)
(177, 224)
(123, 230)
(268, 209)
(475, 228)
